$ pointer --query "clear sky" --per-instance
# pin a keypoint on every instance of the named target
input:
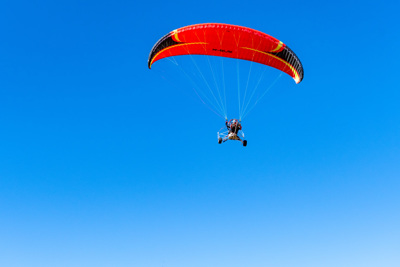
(103, 163)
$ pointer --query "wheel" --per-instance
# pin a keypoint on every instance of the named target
(244, 142)
(219, 140)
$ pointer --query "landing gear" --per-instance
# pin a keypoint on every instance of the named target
(226, 135)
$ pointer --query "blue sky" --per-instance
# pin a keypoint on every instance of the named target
(103, 163)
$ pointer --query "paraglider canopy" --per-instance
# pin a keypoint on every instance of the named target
(225, 40)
